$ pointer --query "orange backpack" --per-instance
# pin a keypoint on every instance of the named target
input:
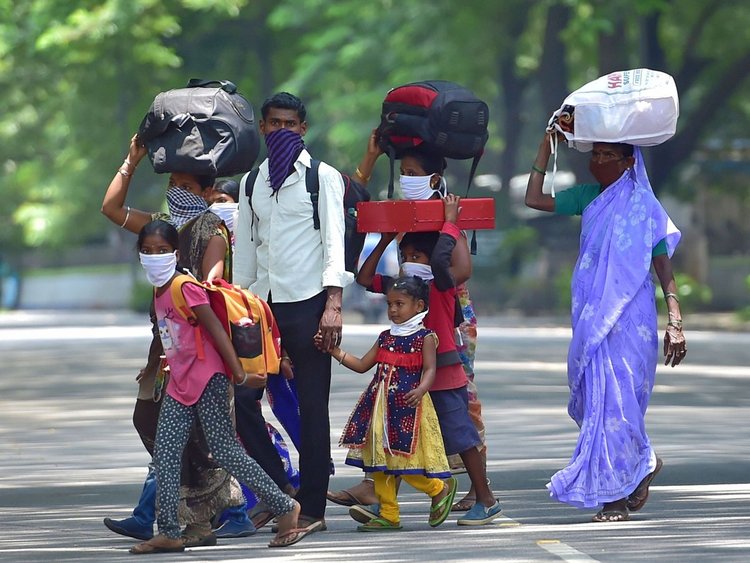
(246, 318)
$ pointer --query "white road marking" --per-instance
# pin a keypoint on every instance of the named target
(564, 551)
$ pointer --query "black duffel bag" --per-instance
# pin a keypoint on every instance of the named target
(443, 117)
(207, 128)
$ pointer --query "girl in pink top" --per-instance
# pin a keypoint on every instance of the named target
(199, 387)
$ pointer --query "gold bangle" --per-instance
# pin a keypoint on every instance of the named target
(364, 178)
(127, 216)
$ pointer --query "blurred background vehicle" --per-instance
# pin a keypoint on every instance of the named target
(372, 305)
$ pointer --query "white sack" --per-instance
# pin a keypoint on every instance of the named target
(639, 107)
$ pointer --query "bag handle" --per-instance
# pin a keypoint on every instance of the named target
(226, 85)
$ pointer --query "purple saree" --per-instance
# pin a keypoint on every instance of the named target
(613, 352)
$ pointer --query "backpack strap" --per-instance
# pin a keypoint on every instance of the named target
(178, 298)
(474, 163)
(249, 180)
(312, 183)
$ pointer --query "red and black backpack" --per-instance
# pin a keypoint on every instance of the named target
(442, 116)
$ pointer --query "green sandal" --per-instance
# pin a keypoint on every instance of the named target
(443, 508)
(379, 525)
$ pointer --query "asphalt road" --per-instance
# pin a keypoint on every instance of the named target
(71, 456)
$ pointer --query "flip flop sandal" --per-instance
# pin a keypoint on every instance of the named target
(379, 525)
(147, 548)
(639, 497)
(262, 518)
(443, 508)
(347, 498)
(305, 521)
(363, 514)
(464, 504)
(294, 536)
(350, 499)
(611, 516)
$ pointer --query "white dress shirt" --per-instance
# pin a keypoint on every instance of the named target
(277, 249)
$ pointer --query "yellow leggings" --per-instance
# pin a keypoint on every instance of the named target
(385, 489)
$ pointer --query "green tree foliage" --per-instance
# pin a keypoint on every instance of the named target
(77, 77)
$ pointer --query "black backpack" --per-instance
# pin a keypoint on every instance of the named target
(354, 192)
(207, 128)
(442, 116)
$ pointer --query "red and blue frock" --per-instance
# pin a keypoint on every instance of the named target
(383, 432)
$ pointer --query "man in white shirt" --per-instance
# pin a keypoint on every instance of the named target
(282, 257)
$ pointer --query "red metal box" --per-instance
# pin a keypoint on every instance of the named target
(403, 216)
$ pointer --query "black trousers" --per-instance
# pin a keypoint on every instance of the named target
(298, 322)
(251, 426)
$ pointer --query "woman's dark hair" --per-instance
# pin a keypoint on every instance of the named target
(429, 161)
(165, 230)
(205, 181)
(284, 100)
(413, 286)
(229, 187)
(422, 241)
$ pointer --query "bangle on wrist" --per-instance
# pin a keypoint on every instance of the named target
(244, 379)
(673, 296)
(124, 172)
(535, 168)
(341, 358)
(359, 173)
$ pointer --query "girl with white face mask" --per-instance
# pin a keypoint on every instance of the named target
(422, 176)
(224, 200)
(199, 387)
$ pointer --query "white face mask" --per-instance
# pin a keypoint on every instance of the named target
(227, 212)
(418, 187)
(409, 327)
(159, 267)
(423, 271)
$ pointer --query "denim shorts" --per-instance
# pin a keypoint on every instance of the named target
(459, 432)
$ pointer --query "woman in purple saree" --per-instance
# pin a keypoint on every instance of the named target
(613, 352)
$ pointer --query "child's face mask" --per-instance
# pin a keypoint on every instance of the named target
(419, 187)
(423, 271)
(159, 268)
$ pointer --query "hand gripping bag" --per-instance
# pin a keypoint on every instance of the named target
(207, 128)
(638, 107)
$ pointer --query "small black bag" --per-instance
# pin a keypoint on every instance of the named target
(207, 128)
